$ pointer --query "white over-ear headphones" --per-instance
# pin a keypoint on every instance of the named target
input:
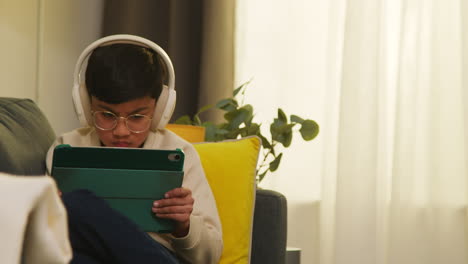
(166, 102)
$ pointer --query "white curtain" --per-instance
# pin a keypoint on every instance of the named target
(394, 115)
(395, 183)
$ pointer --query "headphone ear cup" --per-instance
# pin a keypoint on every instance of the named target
(168, 110)
(82, 104)
(164, 108)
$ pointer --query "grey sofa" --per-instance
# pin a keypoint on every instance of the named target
(25, 137)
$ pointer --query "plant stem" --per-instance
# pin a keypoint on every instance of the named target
(265, 156)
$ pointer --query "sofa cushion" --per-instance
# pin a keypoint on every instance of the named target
(25, 137)
(230, 168)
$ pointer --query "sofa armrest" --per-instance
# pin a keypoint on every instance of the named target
(25, 137)
(269, 228)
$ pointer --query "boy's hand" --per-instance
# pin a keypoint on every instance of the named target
(176, 205)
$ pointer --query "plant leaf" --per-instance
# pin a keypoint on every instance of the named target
(222, 131)
(262, 175)
(196, 120)
(214, 132)
(280, 132)
(253, 129)
(210, 131)
(309, 130)
(184, 120)
(230, 115)
(286, 128)
(275, 128)
(266, 144)
(248, 122)
(204, 108)
(237, 117)
(282, 116)
(287, 139)
(228, 104)
(238, 89)
(296, 119)
(275, 163)
(243, 132)
(233, 134)
(248, 108)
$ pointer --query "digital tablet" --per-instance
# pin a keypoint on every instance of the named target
(129, 179)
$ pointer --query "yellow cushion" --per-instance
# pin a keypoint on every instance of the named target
(230, 168)
(190, 133)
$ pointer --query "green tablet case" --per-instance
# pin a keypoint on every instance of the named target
(129, 179)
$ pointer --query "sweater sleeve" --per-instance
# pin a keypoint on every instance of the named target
(50, 154)
(203, 243)
(79, 137)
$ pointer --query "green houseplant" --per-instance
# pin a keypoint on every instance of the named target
(239, 122)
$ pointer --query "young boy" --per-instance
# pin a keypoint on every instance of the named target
(123, 81)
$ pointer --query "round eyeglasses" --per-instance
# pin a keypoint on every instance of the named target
(136, 123)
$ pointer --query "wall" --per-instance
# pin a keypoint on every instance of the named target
(18, 48)
(41, 41)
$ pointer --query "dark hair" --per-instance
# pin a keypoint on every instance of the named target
(119, 73)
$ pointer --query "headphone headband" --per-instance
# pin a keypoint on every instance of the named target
(166, 101)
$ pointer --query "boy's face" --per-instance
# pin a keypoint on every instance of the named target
(121, 136)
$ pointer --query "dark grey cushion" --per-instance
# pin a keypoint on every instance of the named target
(270, 228)
(25, 137)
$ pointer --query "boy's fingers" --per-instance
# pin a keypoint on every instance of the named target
(178, 192)
(183, 209)
(174, 202)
